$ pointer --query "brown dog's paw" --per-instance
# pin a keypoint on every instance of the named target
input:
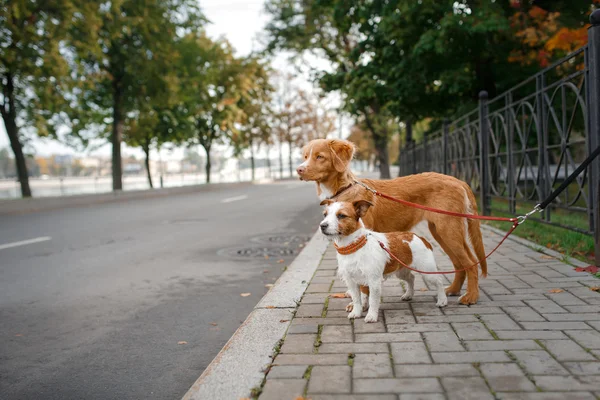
(452, 292)
(468, 298)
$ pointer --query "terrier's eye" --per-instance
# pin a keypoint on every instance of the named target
(320, 157)
(305, 157)
(342, 216)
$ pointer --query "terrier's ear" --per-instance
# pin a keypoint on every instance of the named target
(326, 202)
(342, 152)
(361, 207)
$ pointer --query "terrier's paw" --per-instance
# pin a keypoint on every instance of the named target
(349, 307)
(371, 317)
(365, 307)
(355, 314)
(406, 296)
(442, 301)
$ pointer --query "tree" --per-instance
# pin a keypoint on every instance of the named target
(141, 131)
(33, 72)
(127, 59)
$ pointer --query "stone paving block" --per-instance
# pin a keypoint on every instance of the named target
(470, 331)
(545, 306)
(387, 337)
(353, 397)
(397, 385)
(399, 317)
(355, 348)
(298, 344)
(330, 380)
(514, 297)
(446, 319)
(442, 341)
(371, 327)
(594, 324)
(582, 309)
(505, 335)
(336, 334)
(287, 371)
(506, 377)
(539, 362)
(410, 353)
(584, 368)
(336, 314)
(567, 350)
(433, 370)
(499, 322)
(567, 383)
(321, 272)
(322, 279)
(320, 321)
(426, 310)
(294, 329)
(274, 388)
(422, 396)
(461, 310)
(566, 299)
(395, 290)
(545, 396)
(592, 316)
(311, 359)
(395, 306)
(314, 298)
(554, 326)
(492, 345)
(524, 314)
(372, 366)
(309, 310)
(418, 327)
(466, 388)
(338, 304)
(470, 357)
(318, 288)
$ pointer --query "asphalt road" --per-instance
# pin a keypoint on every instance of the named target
(97, 312)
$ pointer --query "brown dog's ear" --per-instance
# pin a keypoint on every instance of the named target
(342, 152)
(326, 202)
(361, 207)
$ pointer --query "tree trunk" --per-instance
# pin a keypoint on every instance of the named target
(146, 149)
(380, 140)
(117, 132)
(280, 159)
(10, 122)
(290, 159)
(269, 161)
(207, 167)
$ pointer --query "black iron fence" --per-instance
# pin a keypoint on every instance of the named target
(516, 148)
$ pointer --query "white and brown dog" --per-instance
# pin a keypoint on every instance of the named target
(327, 162)
(361, 260)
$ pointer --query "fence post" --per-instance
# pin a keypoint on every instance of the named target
(542, 137)
(593, 107)
(510, 170)
(484, 150)
(445, 146)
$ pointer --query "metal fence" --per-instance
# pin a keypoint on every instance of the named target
(516, 148)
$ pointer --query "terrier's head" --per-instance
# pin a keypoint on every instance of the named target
(342, 218)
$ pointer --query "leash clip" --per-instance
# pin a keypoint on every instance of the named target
(366, 187)
(523, 218)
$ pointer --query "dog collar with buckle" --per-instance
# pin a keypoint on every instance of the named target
(352, 247)
(342, 190)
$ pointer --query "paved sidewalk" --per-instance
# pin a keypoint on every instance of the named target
(533, 335)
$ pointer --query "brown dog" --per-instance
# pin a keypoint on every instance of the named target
(326, 161)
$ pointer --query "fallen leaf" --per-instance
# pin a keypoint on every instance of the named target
(556, 290)
(595, 288)
(545, 257)
(213, 323)
(265, 271)
(270, 307)
(182, 342)
(284, 320)
(244, 398)
(423, 289)
(19, 334)
(592, 269)
(244, 294)
(338, 295)
(280, 261)
(269, 285)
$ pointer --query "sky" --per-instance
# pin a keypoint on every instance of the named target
(240, 21)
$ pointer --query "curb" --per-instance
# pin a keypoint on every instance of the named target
(538, 248)
(242, 363)
(38, 204)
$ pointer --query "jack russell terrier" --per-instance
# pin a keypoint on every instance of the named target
(361, 260)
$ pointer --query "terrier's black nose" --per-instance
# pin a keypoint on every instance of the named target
(324, 225)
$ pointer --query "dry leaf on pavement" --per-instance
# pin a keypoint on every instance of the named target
(182, 342)
(545, 257)
(423, 289)
(213, 323)
(269, 285)
(556, 290)
(244, 294)
(338, 295)
(280, 261)
(595, 288)
(270, 307)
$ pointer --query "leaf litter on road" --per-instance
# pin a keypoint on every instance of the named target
(244, 294)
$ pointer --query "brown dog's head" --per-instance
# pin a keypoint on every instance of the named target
(341, 218)
(325, 157)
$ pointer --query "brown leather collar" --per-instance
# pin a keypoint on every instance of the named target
(352, 247)
(342, 190)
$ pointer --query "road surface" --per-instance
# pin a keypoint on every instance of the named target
(132, 300)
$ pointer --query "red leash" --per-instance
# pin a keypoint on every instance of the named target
(515, 221)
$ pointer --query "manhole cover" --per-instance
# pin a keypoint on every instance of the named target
(260, 252)
(283, 239)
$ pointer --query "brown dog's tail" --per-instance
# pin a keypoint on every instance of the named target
(474, 231)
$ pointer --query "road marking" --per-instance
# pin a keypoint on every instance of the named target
(25, 242)
(232, 199)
